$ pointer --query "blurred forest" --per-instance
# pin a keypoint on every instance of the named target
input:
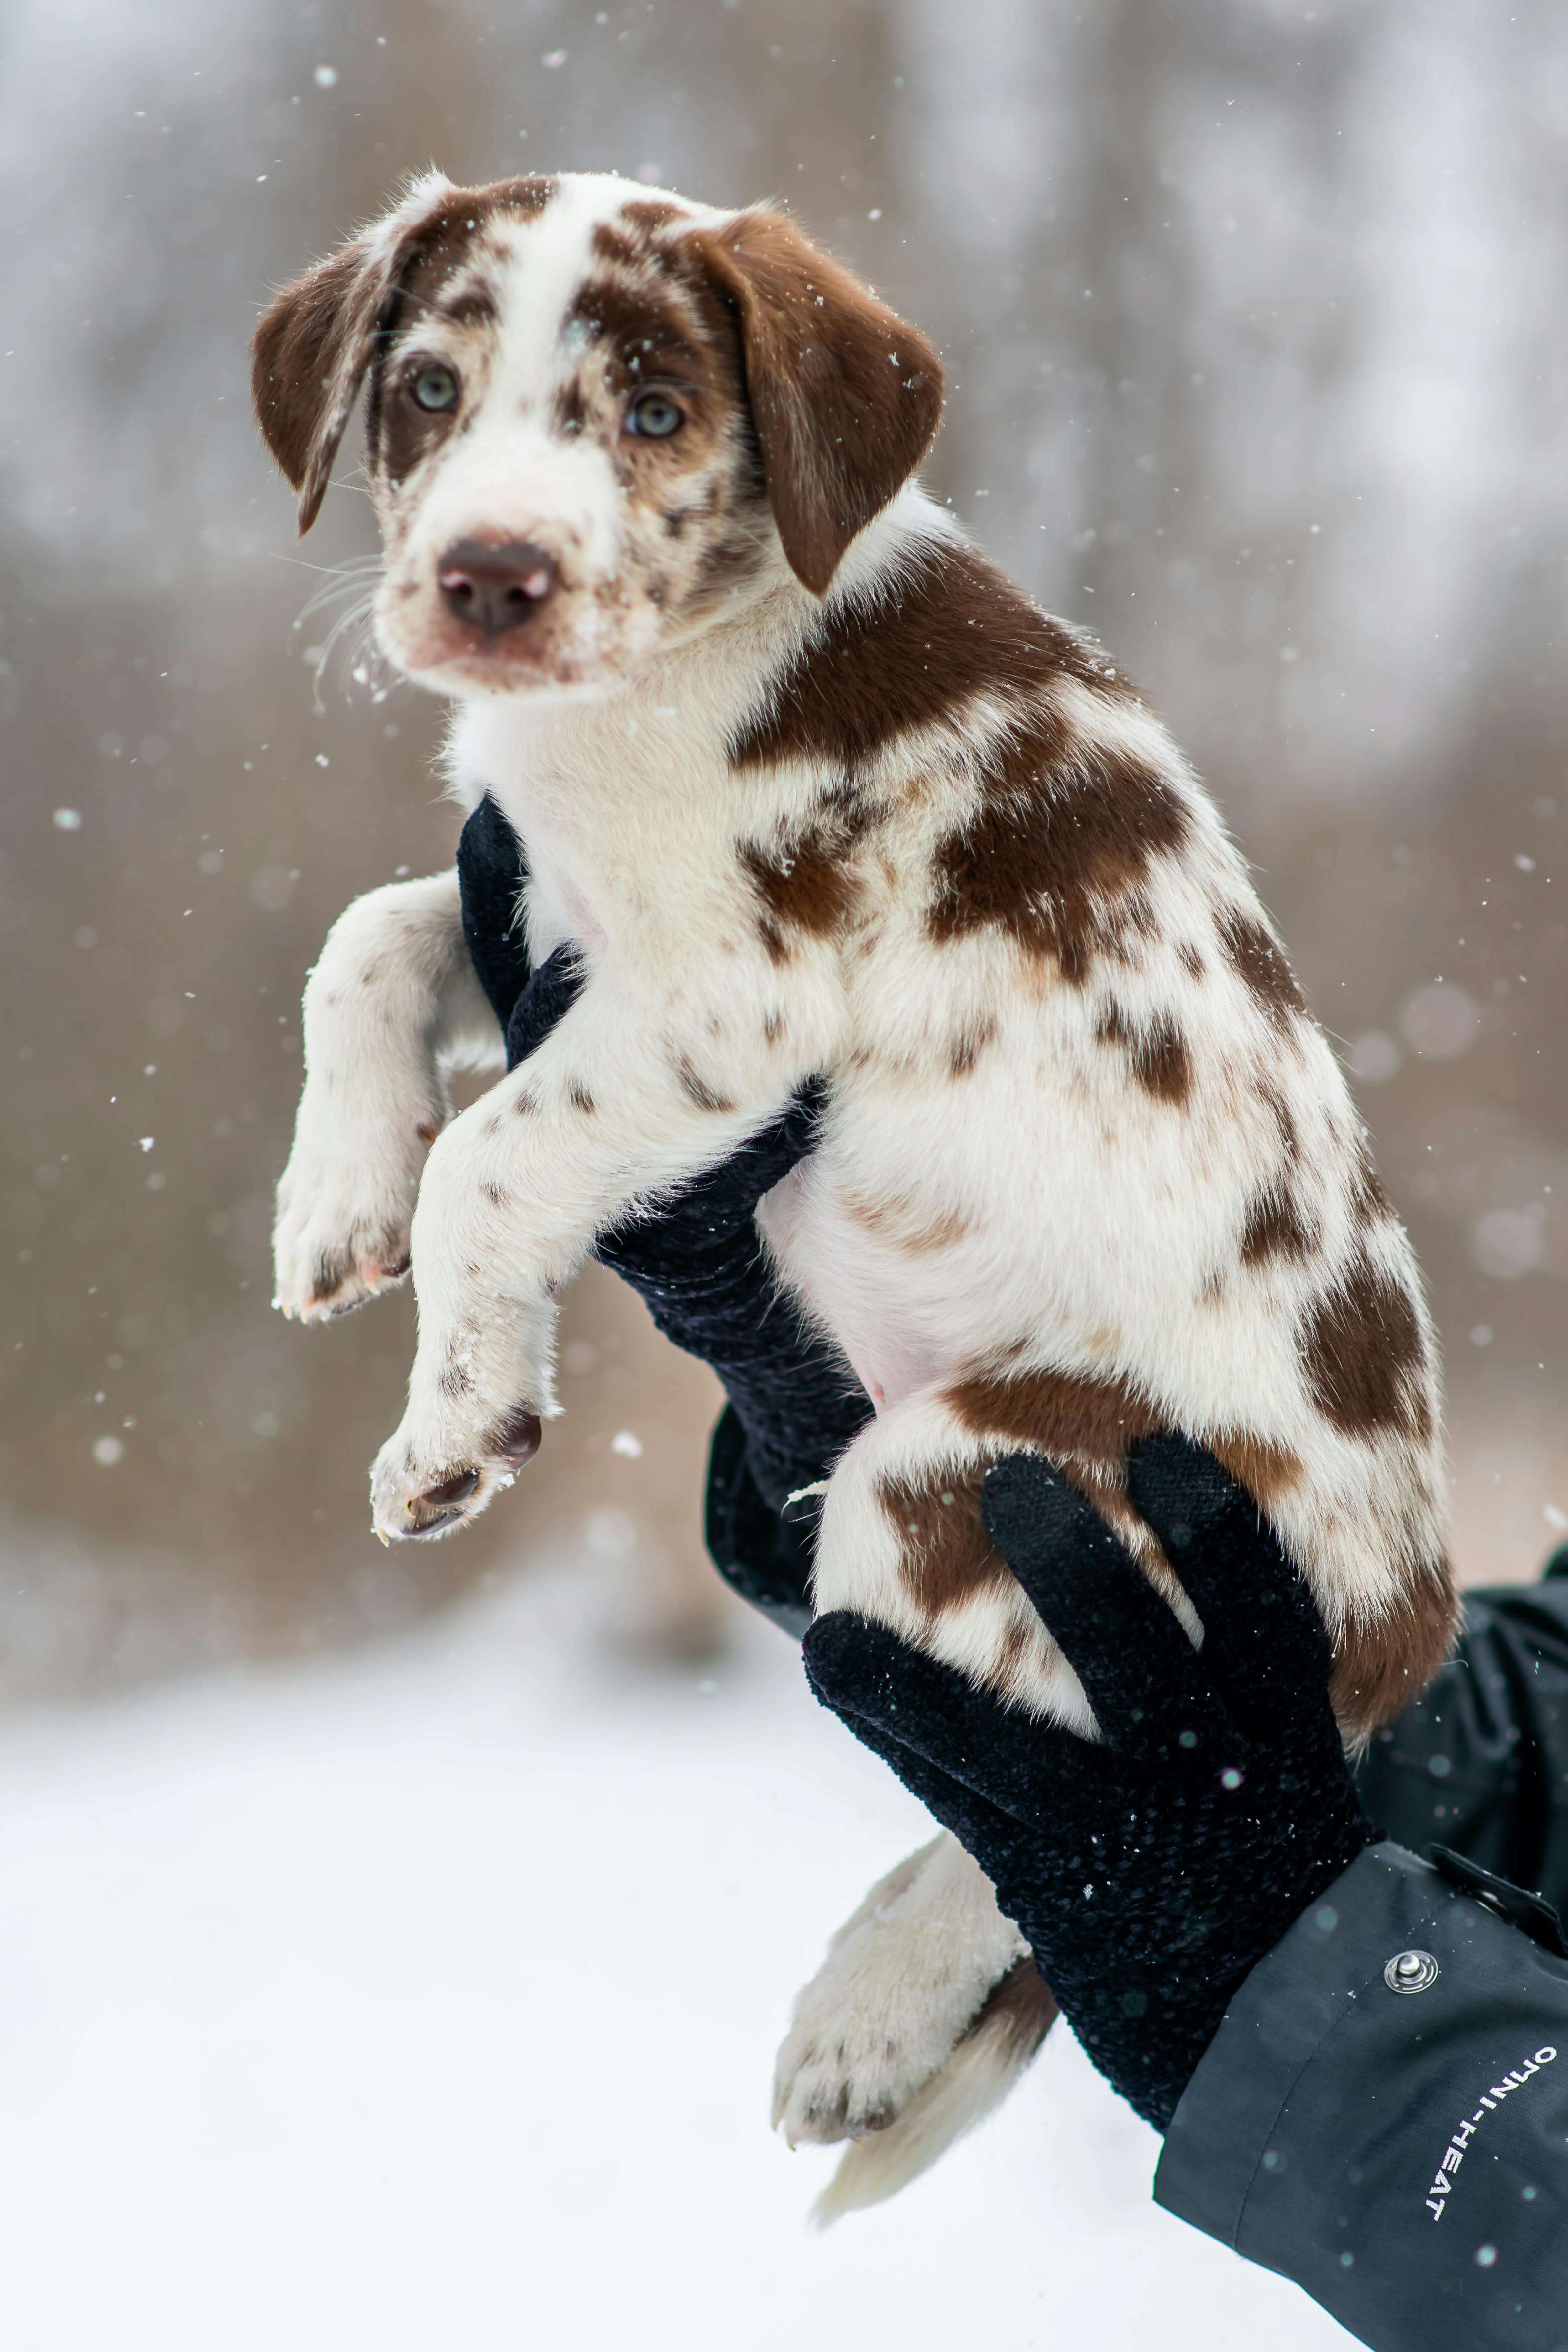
(1257, 335)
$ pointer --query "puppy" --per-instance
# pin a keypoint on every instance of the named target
(813, 788)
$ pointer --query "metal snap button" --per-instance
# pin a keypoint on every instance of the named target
(1411, 1972)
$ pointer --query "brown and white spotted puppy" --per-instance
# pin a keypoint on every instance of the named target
(815, 788)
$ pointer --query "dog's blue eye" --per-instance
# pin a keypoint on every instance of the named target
(435, 388)
(653, 417)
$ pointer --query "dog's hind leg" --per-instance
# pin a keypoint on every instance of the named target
(924, 2014)
(903, 1543)
(929, 2007)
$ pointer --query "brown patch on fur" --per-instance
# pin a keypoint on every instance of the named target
(965, 1049)
(472, 305)
(1059, 1414)
(1086, 1426)
(697, 1091)
(570, 407)
(950, 623)
(1057, 849)
(456, 1381)
(1018, 2012)
(896, 1219)
(1364, 1354)
(773, 1026)
(617, 242)
(732, 553)
(652, 213)
(1267, 1471)
(947, 1558)
(1275, 1227)
(845, 395)
(329, 1273)
(1190, 959)
(1369, 1200)
(1259, 960)
(1157, 1053)
(644, 325)
(807, 886)
(579, 1097)
(1284, 1119)
(1015, 1648)
(496, 1194)
(1382, 1663)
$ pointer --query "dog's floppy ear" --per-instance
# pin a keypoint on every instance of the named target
(314, 340)
(845, 396)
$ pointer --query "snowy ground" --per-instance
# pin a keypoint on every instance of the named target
(430, 1999)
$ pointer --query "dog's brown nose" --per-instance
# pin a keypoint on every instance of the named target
(495, 588)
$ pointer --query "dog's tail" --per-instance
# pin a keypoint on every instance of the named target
(981, 2068)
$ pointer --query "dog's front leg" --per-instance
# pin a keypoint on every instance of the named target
(391, 1005)
(618, 1105)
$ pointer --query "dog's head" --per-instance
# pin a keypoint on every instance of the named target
(598, 418)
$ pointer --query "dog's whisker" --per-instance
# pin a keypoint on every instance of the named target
(323, 601)
(350, 636)
(302, 564)
(355, 578)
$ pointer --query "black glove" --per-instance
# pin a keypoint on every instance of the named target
(1152, 1873)
(694, 1258)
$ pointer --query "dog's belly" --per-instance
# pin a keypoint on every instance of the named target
(936, 1238)
(892, 1328)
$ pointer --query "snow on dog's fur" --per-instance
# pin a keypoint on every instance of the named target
(816, 789)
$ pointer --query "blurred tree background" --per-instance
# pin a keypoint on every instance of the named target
(1255, 323)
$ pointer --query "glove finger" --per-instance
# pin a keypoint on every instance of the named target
(888, 1691)
(549, 995)
(1140, 1673)
(804, 1115)
(1264, 1641)
(492, 869)
(767, 1156)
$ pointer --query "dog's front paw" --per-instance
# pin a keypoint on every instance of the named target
(431, 1476)
(345, 1205)
(904, 1979)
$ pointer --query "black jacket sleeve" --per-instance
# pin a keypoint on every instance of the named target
(1480, 1760)
(1383, 2116)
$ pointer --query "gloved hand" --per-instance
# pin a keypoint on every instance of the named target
(695, 1258)
(1149, 1874)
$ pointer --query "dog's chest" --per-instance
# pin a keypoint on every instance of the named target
(620, 807)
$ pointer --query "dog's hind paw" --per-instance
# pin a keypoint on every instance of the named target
(988, 2058)
(903, 1981)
